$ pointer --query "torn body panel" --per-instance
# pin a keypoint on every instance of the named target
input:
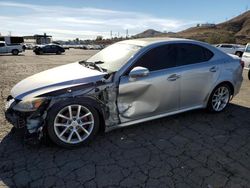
(101, 94)
(147, 96)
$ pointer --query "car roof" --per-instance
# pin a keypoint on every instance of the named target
(149, 41)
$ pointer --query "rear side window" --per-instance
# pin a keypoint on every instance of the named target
(2, 44)
(159, 58)
(226, 46)
(192, 54)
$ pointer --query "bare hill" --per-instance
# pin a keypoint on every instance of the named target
(236, 30)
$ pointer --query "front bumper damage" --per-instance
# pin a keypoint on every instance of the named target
(32, 122)
(103, 95)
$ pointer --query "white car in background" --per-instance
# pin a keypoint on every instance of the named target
(234, 49)
(15, 49)
(246, 59)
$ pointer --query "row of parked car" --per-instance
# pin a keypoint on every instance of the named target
(85, 47)
(15, 49)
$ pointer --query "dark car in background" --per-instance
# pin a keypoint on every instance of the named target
(49, 49)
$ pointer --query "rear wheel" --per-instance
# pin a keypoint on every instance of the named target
(72, 124)
(239, 54)
(219, 98)
(15, 52)
(249, 74)
(58, 52)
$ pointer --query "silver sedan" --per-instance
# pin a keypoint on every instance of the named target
(124, 84)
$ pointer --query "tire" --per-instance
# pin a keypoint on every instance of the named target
(223, 98)
(40, 52)
(58, 52)
(15, 52)
(249, 74)
(62, 129)
(239, 54)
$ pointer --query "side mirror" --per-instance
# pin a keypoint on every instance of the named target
(138, 72)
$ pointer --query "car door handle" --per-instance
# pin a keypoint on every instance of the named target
(173, 77)
(213, 69)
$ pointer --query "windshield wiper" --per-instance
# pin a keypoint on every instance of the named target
(93, 64)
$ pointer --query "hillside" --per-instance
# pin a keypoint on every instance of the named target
(148, 33)
(236, 30)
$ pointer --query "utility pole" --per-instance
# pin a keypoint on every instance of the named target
(111, 34)
(126, 33)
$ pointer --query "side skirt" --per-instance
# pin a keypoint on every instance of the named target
(151, 118)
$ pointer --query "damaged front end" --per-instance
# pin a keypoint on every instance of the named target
(29, 114)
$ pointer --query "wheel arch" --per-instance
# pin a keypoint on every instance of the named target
(89, 101)
(239, 52)
(231, 86)
(14, 50)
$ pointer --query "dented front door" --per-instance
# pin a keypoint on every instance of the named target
(152, 95)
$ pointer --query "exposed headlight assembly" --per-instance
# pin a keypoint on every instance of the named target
(29, 105)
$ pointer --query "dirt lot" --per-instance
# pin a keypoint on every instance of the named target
(194, 149)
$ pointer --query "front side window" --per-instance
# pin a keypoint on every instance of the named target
(2, 45)
(159, 58)
(192, 54)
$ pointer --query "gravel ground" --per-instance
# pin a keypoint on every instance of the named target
(193, 149)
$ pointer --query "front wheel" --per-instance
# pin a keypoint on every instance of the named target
(72, 124)
(249, 74)
(219, 98)
(15, 52)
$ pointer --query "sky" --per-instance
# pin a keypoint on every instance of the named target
(86, 19)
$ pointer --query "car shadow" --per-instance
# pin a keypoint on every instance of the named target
(45, 54)
(12, 55)
(175, 138)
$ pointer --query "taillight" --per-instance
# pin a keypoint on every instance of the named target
(242, 63)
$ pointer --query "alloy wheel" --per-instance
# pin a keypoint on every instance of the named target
(73, 124)
(220, 98)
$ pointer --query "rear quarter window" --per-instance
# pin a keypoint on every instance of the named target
(192, 54)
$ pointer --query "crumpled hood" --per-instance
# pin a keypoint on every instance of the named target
(54, 79)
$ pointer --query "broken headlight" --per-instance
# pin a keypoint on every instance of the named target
(29, 105)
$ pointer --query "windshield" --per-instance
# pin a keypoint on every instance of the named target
(115, 56)
(248, 48)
